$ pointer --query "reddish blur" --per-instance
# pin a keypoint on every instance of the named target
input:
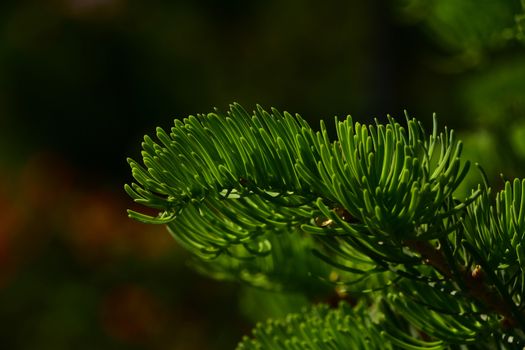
(69, 252)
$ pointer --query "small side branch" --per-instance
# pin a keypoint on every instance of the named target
(473, 281)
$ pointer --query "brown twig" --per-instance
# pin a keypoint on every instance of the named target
(474, 281)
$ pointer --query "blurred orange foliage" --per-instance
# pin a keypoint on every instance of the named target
(45, 201)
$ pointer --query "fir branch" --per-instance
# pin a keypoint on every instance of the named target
(341, 328)
(247, 192)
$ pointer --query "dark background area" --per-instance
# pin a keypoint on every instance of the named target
(81, 82)
(87, 78)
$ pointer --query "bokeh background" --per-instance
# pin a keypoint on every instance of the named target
(81, 81)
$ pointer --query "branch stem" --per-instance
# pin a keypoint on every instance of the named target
(473, 281)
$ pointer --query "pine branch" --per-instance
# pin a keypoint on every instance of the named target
(252, 195)
(341, 328)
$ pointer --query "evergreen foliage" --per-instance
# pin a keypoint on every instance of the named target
(370, 215)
